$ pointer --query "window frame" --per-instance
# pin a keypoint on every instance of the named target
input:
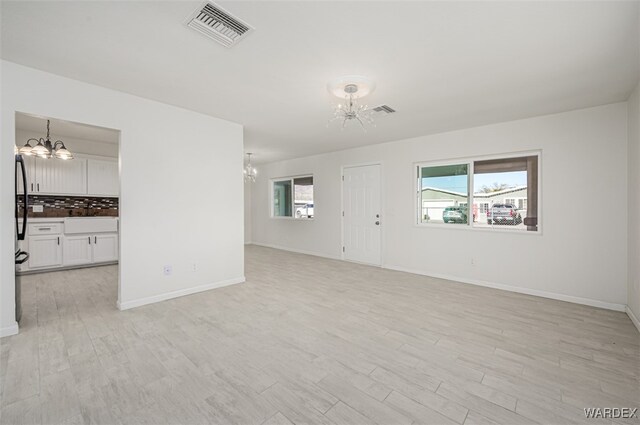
(291, 179)
(418, 209)
(417, 198)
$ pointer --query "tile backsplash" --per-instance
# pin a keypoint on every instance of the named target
(72, 206)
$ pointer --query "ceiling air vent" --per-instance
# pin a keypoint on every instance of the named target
(386, 109)
(219, 25)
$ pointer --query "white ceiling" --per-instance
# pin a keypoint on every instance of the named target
(61, 128)
(442, 65)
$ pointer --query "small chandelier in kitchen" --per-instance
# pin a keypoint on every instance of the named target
(249, 171)
(351, 88)
(45, 149)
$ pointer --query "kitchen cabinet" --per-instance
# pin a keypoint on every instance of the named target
(45, 251)
(30, 169)
(105, 247)
(77, 250)
(103, 177)
(80, 176)
(70, 242)
(87, 249)
(55, 176)
(62, 177)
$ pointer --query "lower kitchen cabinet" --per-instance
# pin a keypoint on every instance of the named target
(63, 243)
(87, 249)
(77, 250)
(45, 251)
(105, 247)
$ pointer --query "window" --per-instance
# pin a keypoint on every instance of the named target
(507, 183)
(293, 197)
(282, 198)
(499, 193)
(444, 194)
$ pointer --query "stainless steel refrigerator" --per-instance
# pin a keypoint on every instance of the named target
(22, 207)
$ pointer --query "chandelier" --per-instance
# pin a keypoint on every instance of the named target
(351, 88)
(249, 171)
(45, 149)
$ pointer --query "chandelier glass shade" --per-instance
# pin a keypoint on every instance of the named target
(44, 148)
(249, 171)
(351, 88)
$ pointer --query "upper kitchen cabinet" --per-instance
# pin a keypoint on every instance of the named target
(30, 169)
(80, 176)
(103, 177)
(55, 176)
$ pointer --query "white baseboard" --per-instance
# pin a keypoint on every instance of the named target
(248, 243)
(9, 330)
(179, 293)
(633, 317)
(297, 251)
(527, 291)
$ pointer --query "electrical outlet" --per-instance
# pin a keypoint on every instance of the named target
(37, 208)
(168, 270)
(194, 267)
(473, 261)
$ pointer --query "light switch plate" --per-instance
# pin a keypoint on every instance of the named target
(37, 208)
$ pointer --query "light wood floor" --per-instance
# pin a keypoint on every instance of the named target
(309, 340)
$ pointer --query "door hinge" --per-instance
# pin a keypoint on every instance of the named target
(343, 213)
(342, 178)
(342, 249)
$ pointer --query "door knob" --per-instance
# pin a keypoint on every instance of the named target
(377, 223)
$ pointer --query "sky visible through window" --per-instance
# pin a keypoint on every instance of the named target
(459, 183)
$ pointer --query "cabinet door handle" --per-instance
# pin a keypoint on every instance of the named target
(38, 184)
(89, 237)
(44, 228)
(32, 187)
(58, 240)
(95, 239)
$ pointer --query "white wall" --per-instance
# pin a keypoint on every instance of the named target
(82, 146)
(633, 294)
(176, 207)
(247, 212)
(579, 257)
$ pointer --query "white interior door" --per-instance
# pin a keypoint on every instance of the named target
(362, 215)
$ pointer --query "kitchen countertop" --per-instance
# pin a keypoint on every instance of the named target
(61, 219)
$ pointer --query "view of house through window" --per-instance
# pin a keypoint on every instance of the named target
(504, 193)
(293, 197)
(508, 190)
(444, 195)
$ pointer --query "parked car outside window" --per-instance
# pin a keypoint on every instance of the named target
(304, 211)
(504, 214)
(455, 215)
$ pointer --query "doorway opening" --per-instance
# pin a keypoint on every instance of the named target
(67, 238)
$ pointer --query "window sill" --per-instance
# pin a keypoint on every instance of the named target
(467, 227)
(292, 218)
